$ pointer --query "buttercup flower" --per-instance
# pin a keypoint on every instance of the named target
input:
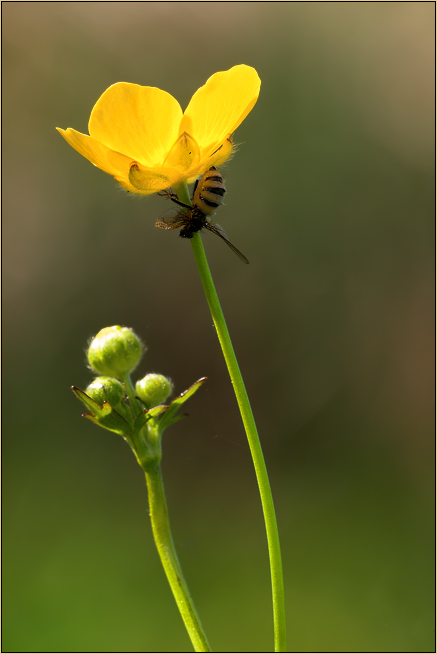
(140, 135)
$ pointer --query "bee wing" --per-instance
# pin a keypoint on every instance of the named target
(172, 219)
(216, 229)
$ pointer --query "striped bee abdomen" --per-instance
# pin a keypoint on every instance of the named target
(209, 192)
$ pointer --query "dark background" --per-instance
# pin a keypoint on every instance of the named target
(331, 197)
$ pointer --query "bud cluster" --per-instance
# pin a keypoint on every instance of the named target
(114, 353)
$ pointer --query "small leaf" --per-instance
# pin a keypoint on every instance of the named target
(145, 415)
(83, 397)
(166, 419)
(104, 410)
(112, 420)
(105, 416)
(157, 410)
(90, 417)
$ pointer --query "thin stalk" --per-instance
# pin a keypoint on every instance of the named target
(130, 392)
(254, 443)
(169, 559)
(162, 534)
(251, 432)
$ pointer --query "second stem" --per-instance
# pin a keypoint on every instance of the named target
(254, 443)
(169, 559)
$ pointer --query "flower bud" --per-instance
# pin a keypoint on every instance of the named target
(106, 389)
(115, 351)
(153, 389)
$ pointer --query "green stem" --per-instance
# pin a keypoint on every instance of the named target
(130, 392)
(147, 458)
(254, 443)
(169, 559)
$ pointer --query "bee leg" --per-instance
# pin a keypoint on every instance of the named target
(174, 198)
(166, 194)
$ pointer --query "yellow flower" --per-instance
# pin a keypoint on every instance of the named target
(139, 134)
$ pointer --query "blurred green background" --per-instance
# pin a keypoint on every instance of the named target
(331, 197)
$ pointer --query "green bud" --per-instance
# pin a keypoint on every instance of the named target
(115, 351)
(153, 389)
(106, 389)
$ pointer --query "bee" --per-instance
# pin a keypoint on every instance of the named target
(207, 196)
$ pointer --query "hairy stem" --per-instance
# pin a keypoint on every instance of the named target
(169, 559)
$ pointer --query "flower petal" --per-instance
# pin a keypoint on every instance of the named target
(142, 122)
(220, 155)
(131, 189)
(151, 180)
(104, 158)
(185, 153)
(221, 105)
(217, 158)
